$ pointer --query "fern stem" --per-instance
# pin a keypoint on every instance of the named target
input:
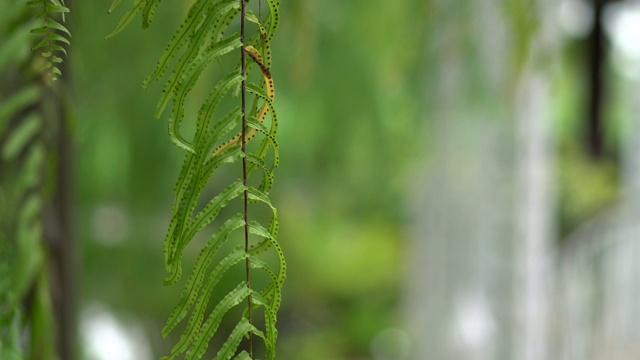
(244, 167)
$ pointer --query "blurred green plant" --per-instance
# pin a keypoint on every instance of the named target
(23, 272)
(587, 187)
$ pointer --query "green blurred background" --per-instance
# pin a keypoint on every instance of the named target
(355, 84)
(347, 95)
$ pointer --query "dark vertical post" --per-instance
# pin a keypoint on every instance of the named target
(58, 224)
(57, 228)
(597, 56)
(65, 305)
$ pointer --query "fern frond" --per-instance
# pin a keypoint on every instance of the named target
(194, 47)
(53, 34)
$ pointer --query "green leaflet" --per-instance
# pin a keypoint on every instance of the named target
(229, 347)
(203, 218)
(190, 78)
(28, 254)
(114, 5)
(195, 321)
(270, 319)
(52, 33)
(25, 131)
(219, 31)
(149, 12)
(204, 116)
(28, 176)
(259, 196)
(147, 7)
(267, 179)
(270, 134)
(16, 102)
(276, 285)
(205, 258)
(274, 18)
(243, 356)
(193, 48)
(126, 18)
(182, 37)
(174, 83)
(201, 341)
(15, 47)
(191, 183)
(179, 219)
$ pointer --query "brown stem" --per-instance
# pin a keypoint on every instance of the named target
(244, 167)
(597, 56)
(58, 227)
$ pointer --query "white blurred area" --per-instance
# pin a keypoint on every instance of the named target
(106, 337)
(622, 23)
(574, 17)
(487, 278)
(110, 224)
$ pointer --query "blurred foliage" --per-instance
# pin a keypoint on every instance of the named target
(355, 81)
(586, 186)
(348, 115)
(25, 300)
(356, 84)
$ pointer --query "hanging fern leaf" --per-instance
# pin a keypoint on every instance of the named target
(52, 33)
(197, 44)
